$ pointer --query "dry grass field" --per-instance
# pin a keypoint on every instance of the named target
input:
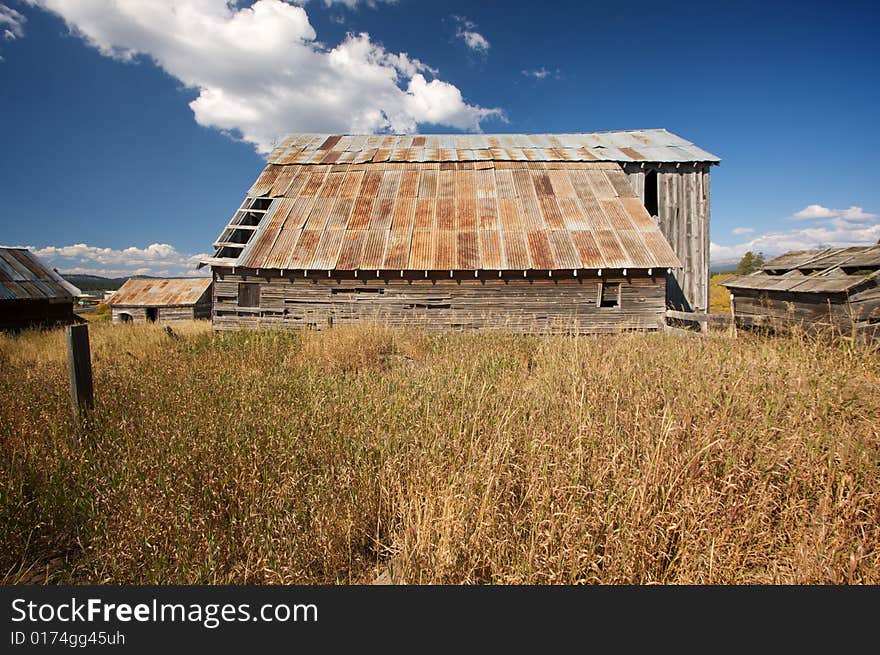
(328, 457)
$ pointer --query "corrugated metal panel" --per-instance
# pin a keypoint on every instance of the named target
(563, 249)
(444, 249)
(350, 253)
(404, 214)
(422, 253)
(487, 214)
(540, 252)
(516, 252)
(466, 213)
(397, 251)
(328, 249)
(149, 292)
(491, 256)
(279, 255)
(588, 249)
(445, 214)
(425, 214)
(360, 215)
(304, 252)
(374, 249)
(380, 219)
(341, 213)
(24, 276)
(468, 251)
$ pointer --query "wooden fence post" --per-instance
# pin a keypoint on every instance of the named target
(79, 361)
(732, 315)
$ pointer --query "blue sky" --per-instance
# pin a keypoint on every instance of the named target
(131, 130)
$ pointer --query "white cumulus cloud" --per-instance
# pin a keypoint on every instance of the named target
(537, 73)
(11, 23)
(813, 212)
(352, 4)
(159, 259)
(466, 31)
(774, 243)
(742, 230)
(260, 73)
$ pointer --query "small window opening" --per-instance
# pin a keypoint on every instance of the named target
(152, 314)
(609, 294)
(125, 318)
(651, 196)
(248, 294)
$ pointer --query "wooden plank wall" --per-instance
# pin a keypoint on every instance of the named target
(857, 315)
(138, 314)
(522, 305)
(172, 314)
(166, 314)
(684, 213)
(19, 314)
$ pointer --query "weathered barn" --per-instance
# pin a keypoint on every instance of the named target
(835, 287)
(31, 293)
(142, 300)
(591, 232)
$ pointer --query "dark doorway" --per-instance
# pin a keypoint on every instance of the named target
(652, 203)
(125, 318)
(152, 314)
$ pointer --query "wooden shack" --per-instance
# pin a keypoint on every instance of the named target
(526, 232)
(835, 288)
(32, 294)
(141, 300)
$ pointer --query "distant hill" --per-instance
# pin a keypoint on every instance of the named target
(96, 282)
(723, 267)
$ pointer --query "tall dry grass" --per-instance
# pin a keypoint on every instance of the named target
(325, 457)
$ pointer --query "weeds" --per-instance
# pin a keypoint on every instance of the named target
(325, 457)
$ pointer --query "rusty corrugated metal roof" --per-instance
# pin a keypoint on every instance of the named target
(656, 145)
(483, 215)
(153, 292)
(24, 277)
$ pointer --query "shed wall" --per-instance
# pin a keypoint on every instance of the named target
(524, 305)
(857, 316)
(20, 314)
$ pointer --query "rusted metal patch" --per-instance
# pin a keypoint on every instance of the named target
(539, 251)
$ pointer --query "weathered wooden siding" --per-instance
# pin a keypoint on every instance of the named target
(138, 314)
(683, 208)
(858, 313)
(165, 314)
(172, 314)
(21, 314)
(546, 304)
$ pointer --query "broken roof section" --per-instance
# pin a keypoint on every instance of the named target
(656, 145)
(24, 277)
(155, 292)
(832, 270)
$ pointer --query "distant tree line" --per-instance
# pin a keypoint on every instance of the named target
(750, 263)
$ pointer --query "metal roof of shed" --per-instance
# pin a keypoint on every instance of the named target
(24, 277)
(654, 145)
(154, 292)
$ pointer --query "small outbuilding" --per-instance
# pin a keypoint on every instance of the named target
(835, 288)
(146, 300)
(32, 294)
